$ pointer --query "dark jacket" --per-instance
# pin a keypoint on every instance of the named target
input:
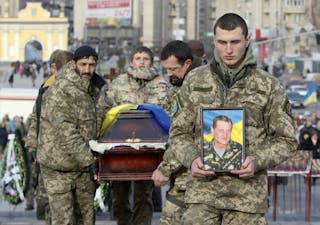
(3, 136)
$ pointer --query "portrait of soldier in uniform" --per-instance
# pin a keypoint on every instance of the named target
(222, 153)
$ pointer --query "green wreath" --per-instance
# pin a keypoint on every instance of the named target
(10, 190)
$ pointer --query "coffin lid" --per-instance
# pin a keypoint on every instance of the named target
(133, 127)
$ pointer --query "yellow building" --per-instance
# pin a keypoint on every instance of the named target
(33, 30)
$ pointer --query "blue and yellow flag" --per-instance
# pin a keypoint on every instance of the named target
(236, 115)
(311, 96)
(159, 114)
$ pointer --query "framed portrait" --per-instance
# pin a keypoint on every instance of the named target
(223, 137)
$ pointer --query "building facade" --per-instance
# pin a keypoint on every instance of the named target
(31, 34)
(279, 28)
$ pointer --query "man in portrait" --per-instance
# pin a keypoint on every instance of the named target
(222, 153)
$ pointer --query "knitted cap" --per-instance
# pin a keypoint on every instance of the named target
(84, 51)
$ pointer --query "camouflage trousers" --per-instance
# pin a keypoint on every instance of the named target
(32, 184)
(174, 207)
(171, 214)
(141, 214)
(43, 209)
(70, 196)
(202, 214)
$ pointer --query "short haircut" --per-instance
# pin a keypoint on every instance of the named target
(196, 47)
(221, 118)
(140, 50)
(178, 49)
(231, 21)
(62, 58)
(53, 56)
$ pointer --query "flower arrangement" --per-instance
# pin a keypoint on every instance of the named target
(101, 197)
(13, 172)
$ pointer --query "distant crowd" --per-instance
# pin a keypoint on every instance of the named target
(308, 132)
(29, 70)
(12, 125)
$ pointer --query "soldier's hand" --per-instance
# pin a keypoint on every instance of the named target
(247, 169)
(158, 178)
(197, 169)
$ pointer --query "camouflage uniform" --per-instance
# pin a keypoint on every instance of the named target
(32, 145)
(171, 167)
(137, 86)
(68, 122)
(43, 210)
(269, 140)
(231, 159)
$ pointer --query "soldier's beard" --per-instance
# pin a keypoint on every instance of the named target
(175, 81)
(83, 75)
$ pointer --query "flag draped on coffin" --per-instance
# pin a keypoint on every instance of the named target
(311, 96)
(234, 115)
(159, 114)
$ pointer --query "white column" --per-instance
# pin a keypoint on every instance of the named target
(5, 43)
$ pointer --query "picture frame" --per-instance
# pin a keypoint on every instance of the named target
(223, 138)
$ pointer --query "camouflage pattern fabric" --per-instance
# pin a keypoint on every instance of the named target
(145, 74)
(171, 214)
(43, 209)
(31, 138)
(171, 167)
(269, 128)
(128, 89)
(231, 159)
(137, 86)
(68, 122)
(70, 197)
(32, 185)
(202, 214)
(32, 145)
(143, 205)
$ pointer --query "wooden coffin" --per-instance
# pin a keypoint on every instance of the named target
(136, 143)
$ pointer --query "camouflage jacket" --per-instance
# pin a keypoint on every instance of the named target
(170, 166)
(68, 122)
(269, 131)
(138, 86)
(32, 135)
(231, 159)
(33, 130)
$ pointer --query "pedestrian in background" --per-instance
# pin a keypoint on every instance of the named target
(232, 80)
(11, 79)
(141, 84)
(3, 137)
(197, 48)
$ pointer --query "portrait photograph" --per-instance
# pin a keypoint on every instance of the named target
(223, 147)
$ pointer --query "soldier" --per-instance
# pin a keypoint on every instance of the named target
(176, 57)
(141, 84)
(232, 79)
(31, 144)
(71, 116)
(222, 153)
(197, 49)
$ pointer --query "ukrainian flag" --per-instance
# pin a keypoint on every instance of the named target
(236, 115)
(311, 96)
(159, 114)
